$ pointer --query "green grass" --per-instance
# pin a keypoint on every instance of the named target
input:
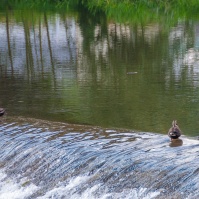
(144, 11)
(39, 4)
(118, 10)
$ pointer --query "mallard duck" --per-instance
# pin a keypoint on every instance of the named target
(2, 111)
(174, 131)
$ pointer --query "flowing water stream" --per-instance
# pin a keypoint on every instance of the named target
(39, 159)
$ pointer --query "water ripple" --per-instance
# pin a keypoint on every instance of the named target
(52, 156)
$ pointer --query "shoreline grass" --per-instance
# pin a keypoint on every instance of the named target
(117, 10)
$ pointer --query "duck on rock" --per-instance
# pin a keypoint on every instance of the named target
(174, 131)
(2, 111)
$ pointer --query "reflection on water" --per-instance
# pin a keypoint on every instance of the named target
(176, 143)
(75, 68)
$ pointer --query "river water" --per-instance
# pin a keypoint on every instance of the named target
(82, 95)
(41, 159)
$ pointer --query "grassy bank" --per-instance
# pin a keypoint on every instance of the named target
(127, 8)
(106, 5)
(163, 5)
(39, 4)
(119, 10)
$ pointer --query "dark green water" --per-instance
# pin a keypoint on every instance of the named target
(77, 68)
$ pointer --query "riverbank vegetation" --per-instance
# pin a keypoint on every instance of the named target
(119, 10)
(38, 4)
(127, 8)
(107, 5)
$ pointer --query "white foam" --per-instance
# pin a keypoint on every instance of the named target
(110, 131)
(12, 189)
(69, 191)
(9, 188)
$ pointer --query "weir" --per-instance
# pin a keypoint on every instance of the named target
(41, 159)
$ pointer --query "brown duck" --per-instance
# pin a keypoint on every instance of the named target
(174, 131)
(2, 111)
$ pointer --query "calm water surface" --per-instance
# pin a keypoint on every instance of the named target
(82, 69)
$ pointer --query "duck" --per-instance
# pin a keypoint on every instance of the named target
(174, 131)
(2, 111)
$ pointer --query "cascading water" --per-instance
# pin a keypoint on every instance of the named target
(40, 159)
